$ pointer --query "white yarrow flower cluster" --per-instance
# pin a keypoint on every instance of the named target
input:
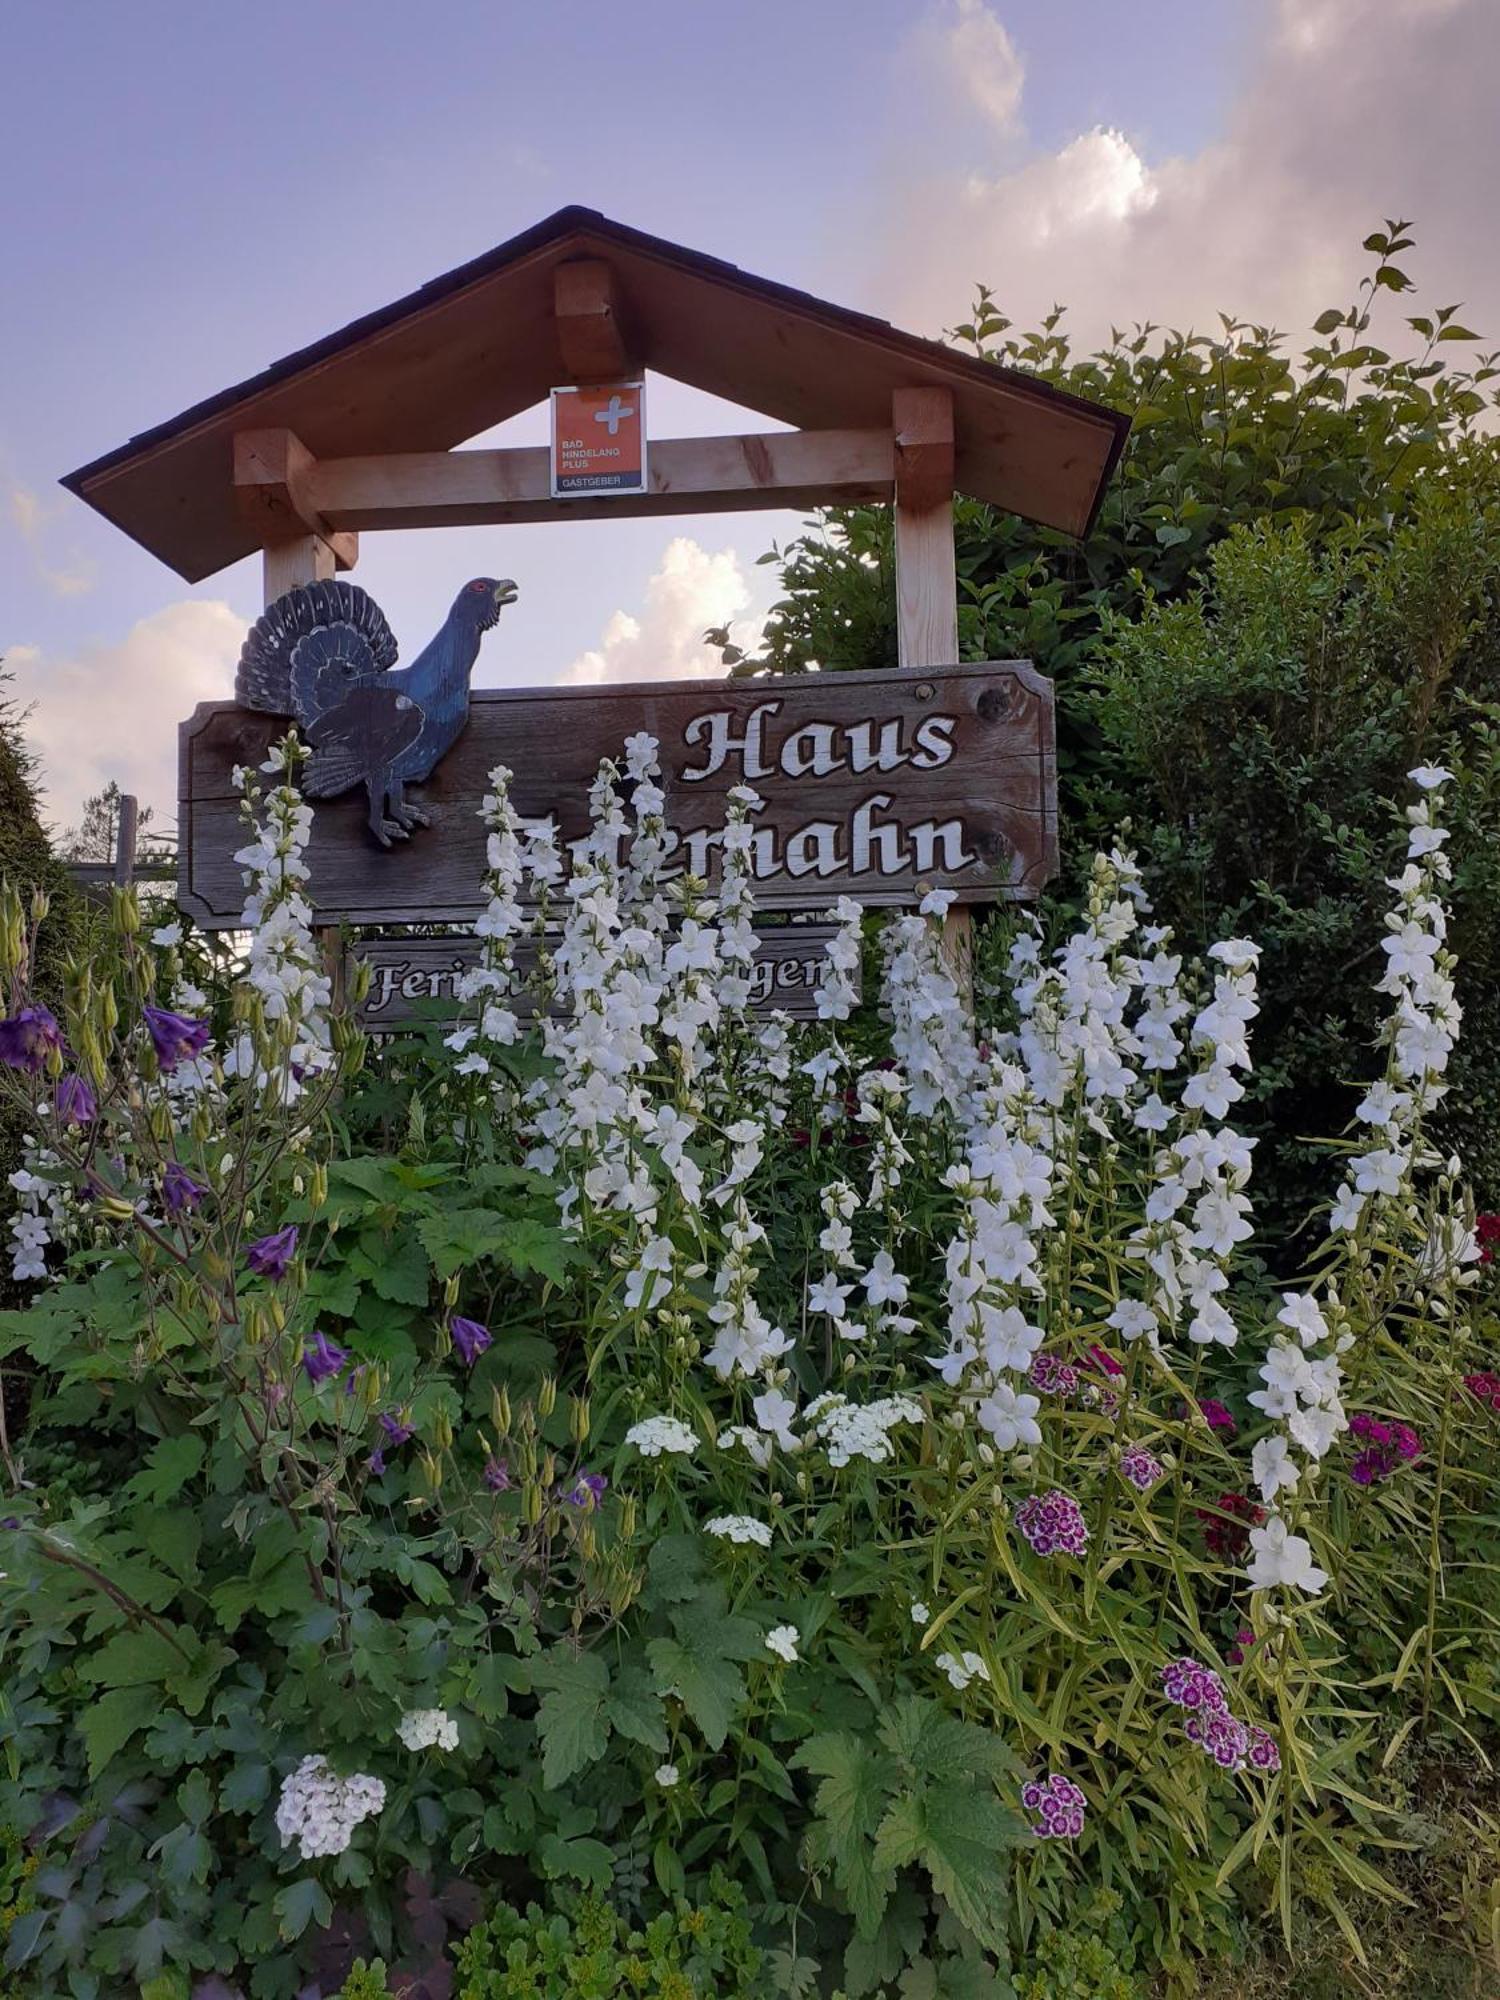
(318, 1810)
(428, 1729)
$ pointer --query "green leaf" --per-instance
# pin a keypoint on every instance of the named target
(108, 1724)
(398, 1268)
(587, 1861)
(531, 1245)
(492, 1681)
(957, 1833)
(132, 1659)
(710, 1688)
(299, 1904)
(675, 1568)
(170, 1464)
(455, 1237)
(634, 1710)
(570, 1718)
(1327, 321)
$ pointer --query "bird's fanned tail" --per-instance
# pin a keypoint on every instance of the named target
(308, 649)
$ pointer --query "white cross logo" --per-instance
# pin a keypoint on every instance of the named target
(614, 414)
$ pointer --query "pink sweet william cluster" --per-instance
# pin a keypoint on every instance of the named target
(1053, 1524)
(1386, 1446)
(1059, 1804)
(1220, 1735)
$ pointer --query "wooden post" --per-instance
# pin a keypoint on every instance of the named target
(125, 834)
(927, 582)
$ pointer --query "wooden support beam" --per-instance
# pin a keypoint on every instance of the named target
(590, 334)
(307, 559)
(272, 470)
(438, 489)
(926, 579)
(927, 584)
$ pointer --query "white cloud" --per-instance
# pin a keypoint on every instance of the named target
(111, 710)
(33, 521)
(691, 590)
(985, 61)
(1349, 111)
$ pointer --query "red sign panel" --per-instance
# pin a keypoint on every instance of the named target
(599, 439)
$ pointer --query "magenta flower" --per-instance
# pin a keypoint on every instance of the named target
(1060, 1804)
(497, 1475)
(74, 1102)
(1265, 1755)
(270, 1256)
(179, 1191)
(1387, 1446)
(470, 1339)
(1190, 1685)
(174, 1036)
(1141, 1469)
(321, 1358)
(1240, 1646)
(28, 1038)
(1051, 1377)
(1218, 1416)
(1101, 1359)
(1053, 1524)
(1220, 1736)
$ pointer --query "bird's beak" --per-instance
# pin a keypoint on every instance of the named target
(505, 592)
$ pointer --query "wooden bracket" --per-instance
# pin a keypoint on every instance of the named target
(273, 472)
(923, 423)
(590, 335)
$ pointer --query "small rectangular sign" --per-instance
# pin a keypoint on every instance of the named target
(878, 786)
(416, 979)
(599, 439)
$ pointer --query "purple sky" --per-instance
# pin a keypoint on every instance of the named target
(195, 190)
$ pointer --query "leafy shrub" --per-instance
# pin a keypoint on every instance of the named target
(687, 1444)
(1250, 713)
(694, 1951)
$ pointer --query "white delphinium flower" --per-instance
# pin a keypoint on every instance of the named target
(318, 1810)
(961, 1668)
(745, 1341)
(739, 1528)
(655, 1436)
(428, 1729)
(284, 966)
(1279, 1557)
(839, 990)
(492, 983)
(782, 1641)
(931, 1034)
(1008, 1416)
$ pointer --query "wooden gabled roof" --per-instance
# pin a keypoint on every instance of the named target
(480, 344)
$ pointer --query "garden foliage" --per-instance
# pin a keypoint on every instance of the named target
(1288, 598)
(553, 1464)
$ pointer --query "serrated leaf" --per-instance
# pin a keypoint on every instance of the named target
(532, 1245)
(587, 1861)
(133, 1659)
(710, 1688)
(635, 1711)
(299, 1904)
(170, 1464)
(107, 1724)
(957, 1834)
(675, 1568)
(570, 1717)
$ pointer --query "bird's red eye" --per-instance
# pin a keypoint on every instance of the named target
(478, 586)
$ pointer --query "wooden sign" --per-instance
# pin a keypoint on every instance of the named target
(599, 439)
(416, 979)
(877, 786)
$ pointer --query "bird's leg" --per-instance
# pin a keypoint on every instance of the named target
(403, 810)
(385, 830)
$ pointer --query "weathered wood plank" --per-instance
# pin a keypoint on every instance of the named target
(415, 978)
(436, 489)
(588, 309)
(272, 471)
(874, 785)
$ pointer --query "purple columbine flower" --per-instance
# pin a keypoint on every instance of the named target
(587, 1491)
(1053, 1524)
(28, 1038)
(376, 1461)
(174, 1036)
(396, 1431)
(74, 1102)
(322, 1357)
(179, 1191)
(470, 1339)
(270, 1255)
(1060, 1804)
(497, 1475)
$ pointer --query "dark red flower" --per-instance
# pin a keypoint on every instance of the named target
(1229, 1539)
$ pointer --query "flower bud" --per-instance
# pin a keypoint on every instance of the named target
(628, 1518)
(450, 1291)
(578, 1419)
(546, 1400)
(442, 1429)
(432, 1472)
(531, 1503)
(317, 1186)
(41, 903)
(588, 1541)
(549, 1470)
(500, 1409)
